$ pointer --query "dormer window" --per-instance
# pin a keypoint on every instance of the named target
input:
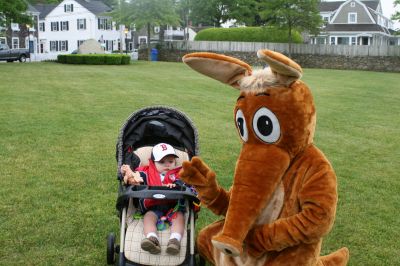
(353, 4)
(352, 18)
(69, 8)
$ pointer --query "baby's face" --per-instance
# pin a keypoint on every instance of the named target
(165, 164)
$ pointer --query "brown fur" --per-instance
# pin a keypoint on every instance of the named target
(283, 198)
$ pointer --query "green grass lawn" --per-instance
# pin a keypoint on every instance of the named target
(59, 125)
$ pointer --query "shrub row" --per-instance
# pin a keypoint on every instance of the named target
(248, 34)
(94, 59)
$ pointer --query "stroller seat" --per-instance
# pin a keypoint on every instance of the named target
(134, 234)
(141, 131)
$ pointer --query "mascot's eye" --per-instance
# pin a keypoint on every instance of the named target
(266, 125)
(241, 125)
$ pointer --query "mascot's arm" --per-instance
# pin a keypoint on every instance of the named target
(317, 198)
(199, 175)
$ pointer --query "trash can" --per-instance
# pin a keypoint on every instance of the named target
(154, 54)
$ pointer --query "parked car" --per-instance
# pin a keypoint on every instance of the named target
(10, 55)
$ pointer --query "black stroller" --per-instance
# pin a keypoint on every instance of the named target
(144, 129)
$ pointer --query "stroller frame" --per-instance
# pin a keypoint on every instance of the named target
(150, 117)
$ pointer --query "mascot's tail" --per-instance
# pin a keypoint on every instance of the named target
(337, 258)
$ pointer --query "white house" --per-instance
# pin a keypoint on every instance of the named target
(64, 26)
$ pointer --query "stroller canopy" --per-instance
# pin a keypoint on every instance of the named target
(152, 125)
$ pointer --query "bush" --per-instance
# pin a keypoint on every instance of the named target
(76, 59)
(248, 34)
(62, 58)
(94, 59)
(125, 60)
(113, 59)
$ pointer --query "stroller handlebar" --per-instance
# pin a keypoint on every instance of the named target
(155, 192)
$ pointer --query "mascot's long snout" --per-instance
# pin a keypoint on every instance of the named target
(255, 181)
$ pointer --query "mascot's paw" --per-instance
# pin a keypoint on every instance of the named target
(199, 175)
(227, 245)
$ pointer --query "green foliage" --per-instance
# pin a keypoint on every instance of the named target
(247, 34)
(125, 60)
(13, 11)
(301, 15)
(94, 59)
(113, 59)
(209, 12)
(247, 12)
(34, 2)
(62, 58)
(396, 15)
(146, 13)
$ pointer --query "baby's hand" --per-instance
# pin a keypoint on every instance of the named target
(170, 185)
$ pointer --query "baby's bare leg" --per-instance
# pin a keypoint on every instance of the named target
(149, 223)
(178, 224)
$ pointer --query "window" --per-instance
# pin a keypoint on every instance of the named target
(64, 25)
(142, 39)
(352, 18)
(108, 45)
(343, 40)
(41, 26)
(63, 45)
(333, 40)
(80, 42)
(104, 24)
(15, 26)
(3, 40)
(54, 26)
(353, 4)
(353, 41)
(53, 46)
(15, 43)
(68, 8)
(81, 24)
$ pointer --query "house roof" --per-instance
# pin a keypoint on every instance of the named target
(94, 6)
(44, 9)
(329, 6)
(356, 28)
(32, 9)
(332, 6)
(373, 4)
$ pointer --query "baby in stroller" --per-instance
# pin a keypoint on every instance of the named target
(138, 192)
(161, 171)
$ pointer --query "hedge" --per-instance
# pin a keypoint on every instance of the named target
(248, 34)
(94, 59)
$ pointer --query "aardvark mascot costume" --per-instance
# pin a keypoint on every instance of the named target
(284, 195)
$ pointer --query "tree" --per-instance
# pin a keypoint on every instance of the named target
(209, 12)
(396, 15)
(247, 12)
(34, 2)
(14, 11)
(146, 13)
(301, 15)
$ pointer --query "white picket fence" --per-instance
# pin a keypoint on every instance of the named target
(344, 50)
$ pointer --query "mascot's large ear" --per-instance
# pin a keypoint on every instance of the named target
(223, 68)
(281, 64)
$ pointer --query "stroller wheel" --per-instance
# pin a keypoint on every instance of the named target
(110, 248)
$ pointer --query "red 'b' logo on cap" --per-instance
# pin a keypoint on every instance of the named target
(164, 147)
